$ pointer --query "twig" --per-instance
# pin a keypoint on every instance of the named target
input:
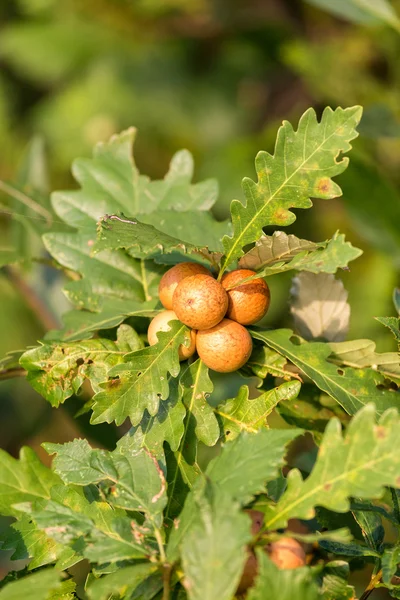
(166, 581)
(32, 299)
(11, 373)
(371, 586)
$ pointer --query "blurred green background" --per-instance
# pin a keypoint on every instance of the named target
(216, 77)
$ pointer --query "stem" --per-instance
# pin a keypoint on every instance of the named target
(12, 373)
(371, 586)
(166, 582)
(160, 543)
(32, 299)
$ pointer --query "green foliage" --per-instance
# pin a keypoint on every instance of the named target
(164, 511)
(360, 464)
(58, 370)
(44, 585)
(352, 388)
(282, 583)
(302, 166)
(213, 550)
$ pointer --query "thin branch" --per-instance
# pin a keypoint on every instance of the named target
(12, 373)
(371, 586)
(166, 581)
(32, 299)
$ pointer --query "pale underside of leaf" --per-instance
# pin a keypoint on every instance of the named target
(319, 307)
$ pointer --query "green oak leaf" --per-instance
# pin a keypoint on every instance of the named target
(122, 582)
(352, 388)
(58, 370)
(107, 275)
(200, 425)
(264, 361)
(285, 584)
(302, 166)
(368, 12)
(214, 549)
(242, 414)
(82, 324)
(142, 240)
(392, 323)
(196, 385)
(27, 541)
(100, 533)
(242, 470)
(359, 464)
(38, 586)
(142, 381)
(390, 561)
(166, 426)
(110, 182)
(334, 581)
(23, 480)
(138, 482)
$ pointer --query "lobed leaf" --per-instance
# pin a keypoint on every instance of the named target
(359, 464)
(138, 482)
(122, 582)
(100, 533)
(242, 414)
(58, 370)
(110, 182)
(302, 166)
(285, 584)
(23, 480)
(142, 381)
(257, 459)
(165, 426)
(106, 276)
(213, 550)
(352, 388)
(38, 586)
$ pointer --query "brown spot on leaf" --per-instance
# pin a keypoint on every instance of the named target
(324, 185)
(380, 432)
(327, 487)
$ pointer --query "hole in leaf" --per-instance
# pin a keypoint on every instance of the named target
(79, 361)
(340, 372)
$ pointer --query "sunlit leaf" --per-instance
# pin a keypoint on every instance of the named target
(302, 167)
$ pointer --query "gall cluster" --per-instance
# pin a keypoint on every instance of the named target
(216, 313)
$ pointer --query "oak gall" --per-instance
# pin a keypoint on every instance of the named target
(161, 323)
(200, 301)
(171, 279)
(249, 301)
(225, 347)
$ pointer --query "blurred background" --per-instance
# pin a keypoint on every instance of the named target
(216, 77)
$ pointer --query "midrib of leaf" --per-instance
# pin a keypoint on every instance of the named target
(147, 296)
(345, 475)
(181, 445)
(273, 196)
(242, 425)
